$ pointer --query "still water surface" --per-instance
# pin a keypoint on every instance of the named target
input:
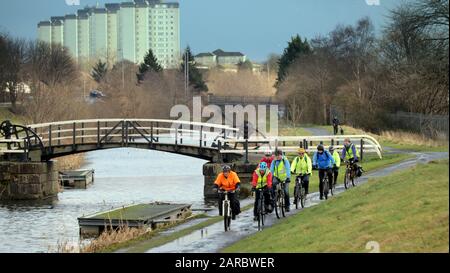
(122, 177)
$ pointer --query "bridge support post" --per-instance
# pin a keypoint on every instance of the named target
(28, 180)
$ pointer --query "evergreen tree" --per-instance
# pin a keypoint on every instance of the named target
(296, 47)
(99, 71)
(150, 64)
(195, 77)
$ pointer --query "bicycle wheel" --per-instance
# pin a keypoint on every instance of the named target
(226, 217)
(283, 209)
(347, 179)
(354, 179)
(331, 186)
(302, 196)
(325, 187)
(260, 214)
(297, 195)
(277, 205)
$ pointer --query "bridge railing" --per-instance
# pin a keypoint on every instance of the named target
(124, 131)
(365, 144)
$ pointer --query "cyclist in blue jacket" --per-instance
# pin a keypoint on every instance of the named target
(323, 161)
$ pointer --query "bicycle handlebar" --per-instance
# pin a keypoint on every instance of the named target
(223, 191)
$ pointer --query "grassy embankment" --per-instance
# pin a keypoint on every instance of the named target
(402, 213)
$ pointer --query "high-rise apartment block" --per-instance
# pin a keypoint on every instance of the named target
(123, 31)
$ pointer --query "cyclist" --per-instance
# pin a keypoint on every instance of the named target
(268, 157)
(337, 164)
(281, 171)
(262, 179)
(350, 154)
(302, 167)
(323, 161)
(228, 180)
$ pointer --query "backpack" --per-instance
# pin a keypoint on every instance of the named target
(359, 171)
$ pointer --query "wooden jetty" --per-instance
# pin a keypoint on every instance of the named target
(152, 216)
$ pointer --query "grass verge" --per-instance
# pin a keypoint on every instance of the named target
(403, 212)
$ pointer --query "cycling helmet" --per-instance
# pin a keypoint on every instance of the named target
(262, 166)
(301, 151)
(226, 168)
(331, 149)
(268, 152)
(320, 147)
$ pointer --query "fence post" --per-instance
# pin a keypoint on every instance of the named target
(246, 151)
(201, 136)
(50, 136)
(126, 133)
(82, 133)
(74, 131)
(151, 132)
(176, 136)
(362, 148)
(98, 134)
(59, 135)
(219, 147)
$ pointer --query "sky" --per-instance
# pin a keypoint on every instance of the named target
(253, 27)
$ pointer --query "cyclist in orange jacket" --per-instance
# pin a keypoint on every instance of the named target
(228, 181)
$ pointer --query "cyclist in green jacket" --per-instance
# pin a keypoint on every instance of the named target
(301, 167)
(337, 164)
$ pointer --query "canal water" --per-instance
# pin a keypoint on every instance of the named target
(122, 177)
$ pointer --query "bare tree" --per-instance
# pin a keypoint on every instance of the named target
(51, 64)
(12, 60)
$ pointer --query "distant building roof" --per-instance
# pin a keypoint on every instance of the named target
(112, 7)
(221, 53)
(71, 16)
(207, 54)
(100, 10)
(57, 18)
(44, 23)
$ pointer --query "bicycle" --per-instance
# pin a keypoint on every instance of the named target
(299, 193)
(226, 209)
(261, 210)
(279, 200)
(332, 184)
(326, 185)
(350, 175)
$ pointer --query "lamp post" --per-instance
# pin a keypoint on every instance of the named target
(123, 70)
(186, 74)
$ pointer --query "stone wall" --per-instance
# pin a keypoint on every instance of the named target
(28, 180)
(244, 171)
